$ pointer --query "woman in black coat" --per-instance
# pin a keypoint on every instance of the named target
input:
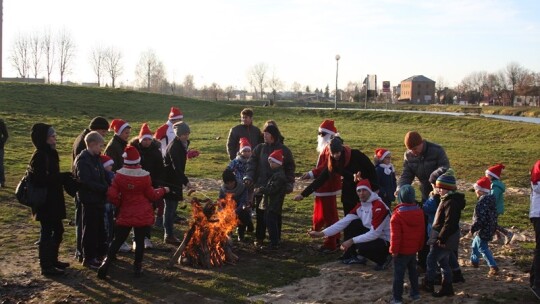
(44, 172)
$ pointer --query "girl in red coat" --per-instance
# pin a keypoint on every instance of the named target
(132, 194)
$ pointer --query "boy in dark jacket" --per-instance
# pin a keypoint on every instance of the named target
(274, 195)
(117, 144)
(92, 192)
(407, 231)
(174, 175)
(239, 193)
(444, 236)
(485, 223)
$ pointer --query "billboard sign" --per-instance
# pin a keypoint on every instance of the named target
(386, 86)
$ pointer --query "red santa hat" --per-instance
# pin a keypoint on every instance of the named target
(277, 157)
(118, 125)
(535, 173)
(131, 156)
(327, 126)
(483, 184)
(380, 154)
(145, 132)
(363, 184)
(495, 171)
(106, 160)
(244, 144)
(175, 114)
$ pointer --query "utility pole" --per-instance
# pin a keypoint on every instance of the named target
(337, 67)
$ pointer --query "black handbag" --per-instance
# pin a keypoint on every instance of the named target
(30, 195)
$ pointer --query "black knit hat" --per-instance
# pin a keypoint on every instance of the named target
(274, 131)
(228, 176)
(98, 123)
(435, 174)
(336, 145)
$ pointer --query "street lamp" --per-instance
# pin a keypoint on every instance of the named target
(337, 67)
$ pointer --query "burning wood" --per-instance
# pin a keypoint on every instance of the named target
(206, 244)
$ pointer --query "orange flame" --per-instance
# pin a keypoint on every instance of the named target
(212, 223)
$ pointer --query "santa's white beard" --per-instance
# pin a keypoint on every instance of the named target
(322, 142)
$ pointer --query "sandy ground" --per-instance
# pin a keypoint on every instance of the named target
(338, 283)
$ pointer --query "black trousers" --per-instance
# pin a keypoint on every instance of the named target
(376, 250)
(94, 240)
(120, 235)
(51, 235)
(260, 227)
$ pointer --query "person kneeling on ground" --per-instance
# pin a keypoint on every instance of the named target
(368, 236)
(132, 193)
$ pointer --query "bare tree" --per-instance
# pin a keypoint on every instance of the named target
(229, 92)
(113, 65)
(49, 52)
(258, 75)
(215, 91)
(188, 85)
(20, 55)
(295, 87)
(515, 74)
(97, 60)
(36, 51)
(66, 53)
(275, 84)
(150, 71)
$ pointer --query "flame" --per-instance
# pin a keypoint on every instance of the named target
(212, 223)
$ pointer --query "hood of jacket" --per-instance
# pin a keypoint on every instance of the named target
(457, 198)
(236, 191)
(39, 135)
(410, 214)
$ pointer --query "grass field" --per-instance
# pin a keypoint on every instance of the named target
(472, 144)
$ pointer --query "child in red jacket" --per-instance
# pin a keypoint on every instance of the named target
(132, 193)
(407, 230)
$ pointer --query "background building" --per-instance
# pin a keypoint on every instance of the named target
(418, 89)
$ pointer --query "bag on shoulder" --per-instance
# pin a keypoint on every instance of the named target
(30, 195)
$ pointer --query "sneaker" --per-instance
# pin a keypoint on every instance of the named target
(415, 298)
(394, 301)
(355, 260)
(493, 271)
(148, 244)
(125, 248)
(536, 292)
(384, 265)
(508, 238)
(172, 240)
(92, 264)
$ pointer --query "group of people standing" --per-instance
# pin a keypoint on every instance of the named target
(123, 188)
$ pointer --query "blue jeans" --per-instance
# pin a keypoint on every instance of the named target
(438, 257)
(481, 247)
(401, 264)
(169, 215)
(2, 172)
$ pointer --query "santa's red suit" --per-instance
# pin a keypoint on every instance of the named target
(325, 207)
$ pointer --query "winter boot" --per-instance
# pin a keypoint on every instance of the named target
(104, 268)
(46, 259)
(58, 264)
(427, 285)
(457, 276)
(137, 269)
(446, 290)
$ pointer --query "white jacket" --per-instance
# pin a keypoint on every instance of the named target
(375, 216)
(535, 200)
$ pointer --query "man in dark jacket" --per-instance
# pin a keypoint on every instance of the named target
(44, 172)
(259, 171)
(352, 165)
(117, 144)
(174, 176)
(151, 161)
(91, 194)
(244, 129)
(420, 160)
(100, 125)
(3, 138)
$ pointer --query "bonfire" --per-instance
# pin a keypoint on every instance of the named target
(206, 244)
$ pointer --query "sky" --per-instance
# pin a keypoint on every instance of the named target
(220, 40)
